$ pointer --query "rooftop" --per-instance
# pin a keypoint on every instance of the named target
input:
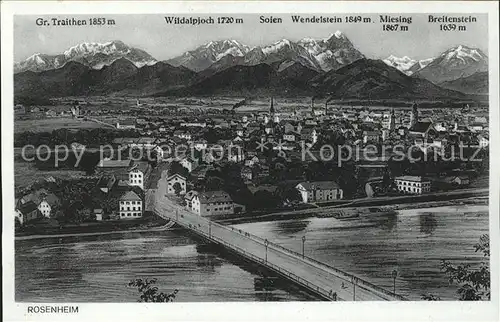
(174, 176)
(319, 185)
(141, 166)
(27, 207)
(411, 178)
(214, 196)
(114, 163)
(130, 195)
(420, 127)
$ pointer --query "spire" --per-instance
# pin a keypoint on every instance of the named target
(271, 109)
(414, 115)
(312, 107)
(392, 121)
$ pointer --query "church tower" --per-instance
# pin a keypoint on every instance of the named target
(414, 115)
(392, 121)
(272, 113)
(313, 114)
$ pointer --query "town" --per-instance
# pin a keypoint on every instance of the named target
(235, 161)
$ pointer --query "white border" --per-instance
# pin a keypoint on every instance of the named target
(373, 311)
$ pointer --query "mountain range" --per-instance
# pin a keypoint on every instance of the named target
(330, 66)
(94, 55)
(406, 64)
(318, 54)
(476, 83)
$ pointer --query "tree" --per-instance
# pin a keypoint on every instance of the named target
(474, 283)
(149, 293)
(177, 188)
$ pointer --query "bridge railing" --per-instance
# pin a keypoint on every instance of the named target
(341, 274)
(306, 259)
(329, 294)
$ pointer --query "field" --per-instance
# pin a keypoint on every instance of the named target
(25, 173)
(49, 124)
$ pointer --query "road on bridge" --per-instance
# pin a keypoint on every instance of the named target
(311, 274)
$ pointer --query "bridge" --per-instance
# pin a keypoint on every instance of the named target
(327, 282)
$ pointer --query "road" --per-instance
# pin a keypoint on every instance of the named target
(320, 278)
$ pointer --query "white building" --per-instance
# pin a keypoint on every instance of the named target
(210, 203)
(290, 137)
(319, 191)
(137, 174)
(483, 141)
(45, 208)
(125, 124)
(189, 163)
(172, 180)
(130, 206)
(44, 201)
(413, 184)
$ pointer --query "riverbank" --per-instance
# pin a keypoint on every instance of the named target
(329, 211)
(161, 228)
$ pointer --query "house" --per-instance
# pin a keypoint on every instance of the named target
(422, 130)
(26, 212)
(240, 130)
(138, 173)
(212, 203)
(251, 161)
(188, 198)
(145, 143)
(483, 141)
(125, 124)
(200, 145)
(130, 206)
(194, 124)
(51, 113)
(412, 184)
(47, 203)
(19, 110)
(319, 191)
(461, 181)
(289, 127)
(75, 146)
(371, 137)
(309, 134)
(182, 134)
(189, 163)
(263, 171)
(476, 127)
(173, 180)
(119, 168)
(99, 214)
(290, 137)
(44, 201)
(106, 183)
(235, 153)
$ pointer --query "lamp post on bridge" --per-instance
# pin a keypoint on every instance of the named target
(210, 228)
(394, 275)
(354, 282)
(303, 246)
(266, 243)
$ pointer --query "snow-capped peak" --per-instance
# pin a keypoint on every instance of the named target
(463, 53)
(406, 64)
(91, 54)
(276, 46)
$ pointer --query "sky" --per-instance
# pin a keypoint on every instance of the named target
(163, 41)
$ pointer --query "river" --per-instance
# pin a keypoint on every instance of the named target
(98, 268)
